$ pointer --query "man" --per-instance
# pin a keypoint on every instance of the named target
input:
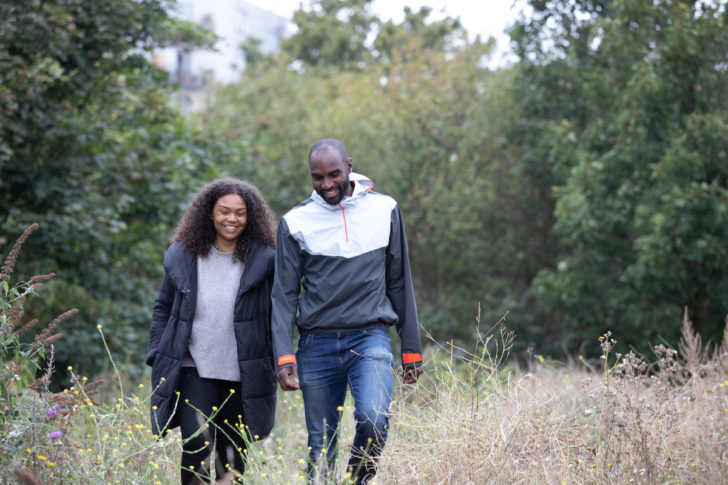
(344, 250)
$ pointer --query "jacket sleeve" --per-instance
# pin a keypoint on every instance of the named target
(286, 287)
(160, 316)
(401, 293)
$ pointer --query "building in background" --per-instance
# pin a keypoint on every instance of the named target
(233, 21)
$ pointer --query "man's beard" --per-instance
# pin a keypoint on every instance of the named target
(340, 191)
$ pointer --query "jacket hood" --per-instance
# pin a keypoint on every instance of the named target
(362, 185)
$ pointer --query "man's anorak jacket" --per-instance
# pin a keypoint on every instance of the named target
(341, 268)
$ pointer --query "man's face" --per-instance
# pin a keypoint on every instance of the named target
(330, 175)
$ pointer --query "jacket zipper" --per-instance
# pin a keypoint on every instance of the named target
(343, 214)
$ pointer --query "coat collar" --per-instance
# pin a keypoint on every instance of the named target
(362, 185)
(256, 269)
(181, 266)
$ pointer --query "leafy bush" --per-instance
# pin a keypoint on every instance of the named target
(92, 149)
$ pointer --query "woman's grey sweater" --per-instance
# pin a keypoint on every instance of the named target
(213, 347)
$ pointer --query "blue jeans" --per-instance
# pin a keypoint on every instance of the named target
(327, 363)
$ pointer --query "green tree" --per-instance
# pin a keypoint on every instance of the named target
(331, 33)
(425, 123)
(251, 48)
(416, 24)
(92, 150)
(630, 97)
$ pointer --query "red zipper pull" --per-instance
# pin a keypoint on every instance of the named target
(343, 214)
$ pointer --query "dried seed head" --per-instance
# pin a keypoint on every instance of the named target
(40, 278)
(7, 267)
(15, 313)
(52, 339)
(26, 327)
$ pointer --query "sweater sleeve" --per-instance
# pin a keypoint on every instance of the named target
(400, 291)
(284, 298)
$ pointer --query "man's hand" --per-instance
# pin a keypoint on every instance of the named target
(288, 378)
(411, 374)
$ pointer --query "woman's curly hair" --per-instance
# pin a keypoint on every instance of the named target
(196, 230)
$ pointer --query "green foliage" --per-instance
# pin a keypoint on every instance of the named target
(431, 34)
(91, 149)
(251, 48)
(331, 33)
(410, 123)
(584, 189)
(640, 172)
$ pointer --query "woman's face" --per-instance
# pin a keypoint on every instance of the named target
(229, 216)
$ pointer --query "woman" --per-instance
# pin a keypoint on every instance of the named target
(210, 341)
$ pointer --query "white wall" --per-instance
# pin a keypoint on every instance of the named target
(233, 21)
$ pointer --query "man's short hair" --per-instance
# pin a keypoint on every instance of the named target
(329, 144)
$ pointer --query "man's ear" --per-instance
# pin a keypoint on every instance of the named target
(348, 164)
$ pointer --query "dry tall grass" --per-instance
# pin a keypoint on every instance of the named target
(473, 419)
(627, 421)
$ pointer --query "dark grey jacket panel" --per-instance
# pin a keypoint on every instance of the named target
(327, 305)
(172, 321)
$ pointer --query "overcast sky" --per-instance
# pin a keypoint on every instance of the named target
(485, 17)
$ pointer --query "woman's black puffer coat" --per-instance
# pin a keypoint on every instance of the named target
(169, 338)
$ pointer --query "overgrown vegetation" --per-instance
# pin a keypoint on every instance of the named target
(92, 149)
(472, 418)
(583, 189)
(23, 344)
(617, 419)
(622, 109)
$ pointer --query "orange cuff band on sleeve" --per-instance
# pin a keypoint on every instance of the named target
(411, 358)
(287, 359)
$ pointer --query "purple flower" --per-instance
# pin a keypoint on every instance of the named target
(55, 435)
(54, 410)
